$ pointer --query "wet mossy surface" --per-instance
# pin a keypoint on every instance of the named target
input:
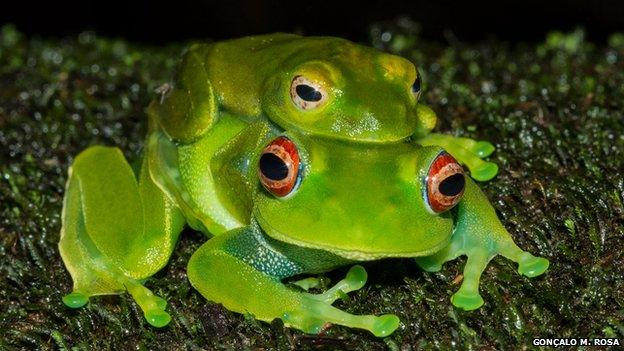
(554, 111)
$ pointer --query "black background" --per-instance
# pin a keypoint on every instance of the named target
(163, 21)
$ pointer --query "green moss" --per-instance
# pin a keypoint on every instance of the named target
(553, 111)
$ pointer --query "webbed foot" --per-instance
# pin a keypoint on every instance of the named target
(314, 315)
(480, 236)
(467, 151)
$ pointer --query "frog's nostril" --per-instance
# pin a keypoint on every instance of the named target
(453, 185)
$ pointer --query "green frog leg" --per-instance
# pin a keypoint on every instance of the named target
(480, 236)
(117, 231)
(465, 150)
(243, 270)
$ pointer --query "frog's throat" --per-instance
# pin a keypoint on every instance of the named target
(349, 254)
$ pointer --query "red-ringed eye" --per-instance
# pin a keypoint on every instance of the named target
(278, 167)
(445, 183)
(306, 94)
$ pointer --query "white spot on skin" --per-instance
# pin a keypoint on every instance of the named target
(368, 123)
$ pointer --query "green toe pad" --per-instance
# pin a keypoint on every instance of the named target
(385, 325)
(532, 266)
(466, 300)
(428, 264)
(75, 300)
(157, 318)
(485, 171)
(483, 149)
(356, 277)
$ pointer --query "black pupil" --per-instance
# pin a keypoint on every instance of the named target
(416, 85)
(273, 167)
(308, 93)
(452, 185)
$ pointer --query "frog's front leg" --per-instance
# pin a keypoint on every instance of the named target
(480, 235)
(241, 271)
(467, 151)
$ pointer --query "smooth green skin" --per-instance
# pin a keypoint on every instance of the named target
(365, 153)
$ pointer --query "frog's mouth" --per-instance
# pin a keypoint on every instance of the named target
(347, 246)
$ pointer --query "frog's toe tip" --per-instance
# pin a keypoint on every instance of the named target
(467, 301)
(75, 299)
(532, 266)
(483, 149)
(385, 325)
(428, 265)
(157, 318)
(356, 277)
(485, 171)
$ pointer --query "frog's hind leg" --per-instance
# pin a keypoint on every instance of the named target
(116, 231)
(467, 151)
(480, 236)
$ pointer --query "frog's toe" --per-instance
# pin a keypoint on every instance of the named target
(385, 325)
(304, 322)
(467, 300)
(483, 149)
(532, 266)
(429, 264)
(484, 171)
(354, 280)
(75, 300)
(157, 318)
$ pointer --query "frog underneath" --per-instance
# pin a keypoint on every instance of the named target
(296, 155)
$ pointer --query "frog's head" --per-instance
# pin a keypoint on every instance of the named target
(335, 88)
(357, 200)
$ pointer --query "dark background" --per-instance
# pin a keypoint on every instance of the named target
(164, 21)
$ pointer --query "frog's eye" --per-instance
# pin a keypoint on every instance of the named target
(416, 86)
(278, 167)
(306, 94)
(445, 183)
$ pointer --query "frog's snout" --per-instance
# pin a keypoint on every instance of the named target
(445, 183)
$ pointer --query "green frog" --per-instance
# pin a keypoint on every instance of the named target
(295, 155)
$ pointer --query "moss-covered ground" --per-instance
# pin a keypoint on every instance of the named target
(554, 110)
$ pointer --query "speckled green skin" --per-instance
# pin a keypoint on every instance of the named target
(365, 152)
